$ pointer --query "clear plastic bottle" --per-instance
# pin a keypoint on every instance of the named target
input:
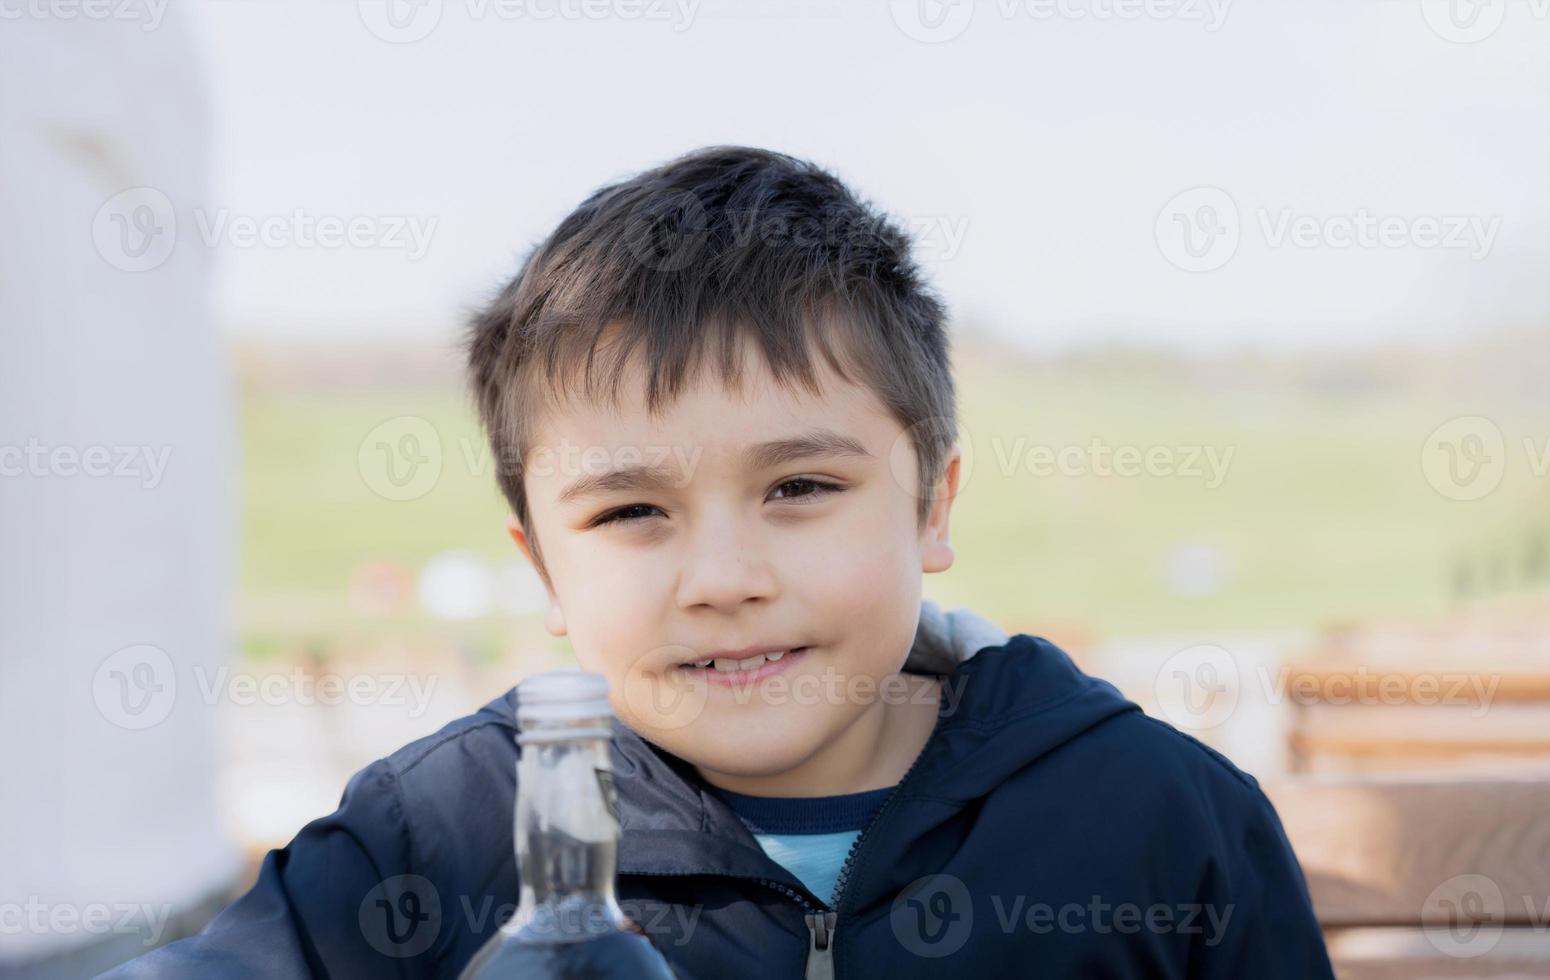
(568, 922)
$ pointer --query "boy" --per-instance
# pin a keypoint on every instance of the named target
(721, 397)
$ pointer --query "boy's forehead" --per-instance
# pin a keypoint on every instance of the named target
(708, 416)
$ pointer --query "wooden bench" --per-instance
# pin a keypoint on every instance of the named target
(1399, 695)
(1415, 878)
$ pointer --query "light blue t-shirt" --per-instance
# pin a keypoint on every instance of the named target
(809, 835)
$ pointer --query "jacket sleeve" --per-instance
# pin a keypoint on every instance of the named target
(1258, 917)
(337, 901)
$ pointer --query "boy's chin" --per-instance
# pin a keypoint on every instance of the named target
(748, 756)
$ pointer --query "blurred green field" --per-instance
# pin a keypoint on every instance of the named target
(1323, 515)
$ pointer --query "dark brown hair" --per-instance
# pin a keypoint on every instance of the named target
(719, 247)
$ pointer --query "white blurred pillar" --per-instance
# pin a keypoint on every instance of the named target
(116, 478)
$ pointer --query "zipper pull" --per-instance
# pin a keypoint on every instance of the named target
(820, 953)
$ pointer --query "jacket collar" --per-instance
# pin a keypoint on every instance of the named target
(1005, 701)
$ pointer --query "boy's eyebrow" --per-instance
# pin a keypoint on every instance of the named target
(808, 445)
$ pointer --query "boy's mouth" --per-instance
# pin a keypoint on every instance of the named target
(743, 667)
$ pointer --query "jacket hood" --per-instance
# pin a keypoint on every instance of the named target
(1006, 701)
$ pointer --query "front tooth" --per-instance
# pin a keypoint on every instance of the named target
(726, 666)
(774, 656)
(757, 660)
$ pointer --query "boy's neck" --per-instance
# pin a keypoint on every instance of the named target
(874, 752)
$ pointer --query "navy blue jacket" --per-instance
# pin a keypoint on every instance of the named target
(1048, 828)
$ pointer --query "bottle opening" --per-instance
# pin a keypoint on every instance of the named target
(563, 704)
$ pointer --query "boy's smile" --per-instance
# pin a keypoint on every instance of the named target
(770, 532)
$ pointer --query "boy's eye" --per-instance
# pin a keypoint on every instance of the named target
(631, 514)
(819, 487)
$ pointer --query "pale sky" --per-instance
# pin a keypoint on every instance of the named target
(1035, 150)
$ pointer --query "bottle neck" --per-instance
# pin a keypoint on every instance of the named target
(567, 836)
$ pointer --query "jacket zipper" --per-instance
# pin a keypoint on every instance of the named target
(820, 932)
(820, 958)
(820, 918)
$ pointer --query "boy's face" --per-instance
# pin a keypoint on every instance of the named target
(737, 551)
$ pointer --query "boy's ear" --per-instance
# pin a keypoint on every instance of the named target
(936, 546)
(554, 620)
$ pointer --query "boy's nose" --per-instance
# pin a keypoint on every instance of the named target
(725, 572)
